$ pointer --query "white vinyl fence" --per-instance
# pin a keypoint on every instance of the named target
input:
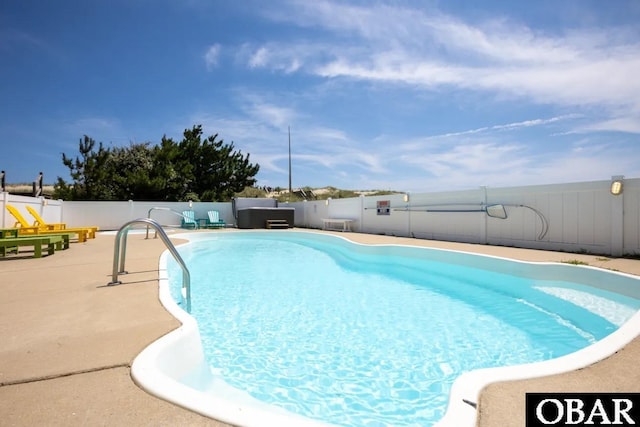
(576, 217)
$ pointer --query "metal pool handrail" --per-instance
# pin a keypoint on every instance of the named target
(159, 208)
(119, 255)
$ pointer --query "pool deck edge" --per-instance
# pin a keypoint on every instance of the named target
(69, 340)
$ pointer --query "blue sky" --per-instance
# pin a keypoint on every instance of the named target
(405, 95)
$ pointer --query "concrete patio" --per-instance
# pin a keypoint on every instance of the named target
(68, 339)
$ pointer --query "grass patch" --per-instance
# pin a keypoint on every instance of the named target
(575, 262)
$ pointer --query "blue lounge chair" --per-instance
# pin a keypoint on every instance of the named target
(189, 220)
(213, 220)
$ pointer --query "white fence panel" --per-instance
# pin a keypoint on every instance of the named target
(574, 217)
(578, 217)
(106, 215)
(371, 222)
(49, 210)
(112, 215)
(450, 216)
(526, 217)
(350, 208)
(300, 213)
(309, 214)
(173, 217)
(631, 224)
(381, 215)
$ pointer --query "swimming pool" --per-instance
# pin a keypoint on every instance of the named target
(404, 298)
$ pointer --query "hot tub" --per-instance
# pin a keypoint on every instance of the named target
(257, 217)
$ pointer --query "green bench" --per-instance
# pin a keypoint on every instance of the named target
(51, 242)
(8, 232)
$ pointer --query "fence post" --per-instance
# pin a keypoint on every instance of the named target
(617, 217)
(406, 198)
(4, 210)
(362, 203)
(61, 210)
(483, 218)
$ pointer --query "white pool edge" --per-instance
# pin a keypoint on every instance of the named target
(468, 386)
(160, 366)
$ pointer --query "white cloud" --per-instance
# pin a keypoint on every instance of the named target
(500, 165)
(259, 58)
(212, 56)
(588, 73)
(430, 50)
(421, 143)
(479, 159)
(270, 114)
(491, 155)
(287, 58)
(622, 124)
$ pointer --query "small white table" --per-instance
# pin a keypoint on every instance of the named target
(338, 224)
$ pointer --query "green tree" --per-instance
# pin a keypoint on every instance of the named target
(217, 171)
(194, 169)
(172, 171)
(88, 171)
(131, 173)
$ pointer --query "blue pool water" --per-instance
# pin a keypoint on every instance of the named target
(365, 336)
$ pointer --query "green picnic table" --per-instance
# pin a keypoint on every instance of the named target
(8, 232)
(51, 242)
